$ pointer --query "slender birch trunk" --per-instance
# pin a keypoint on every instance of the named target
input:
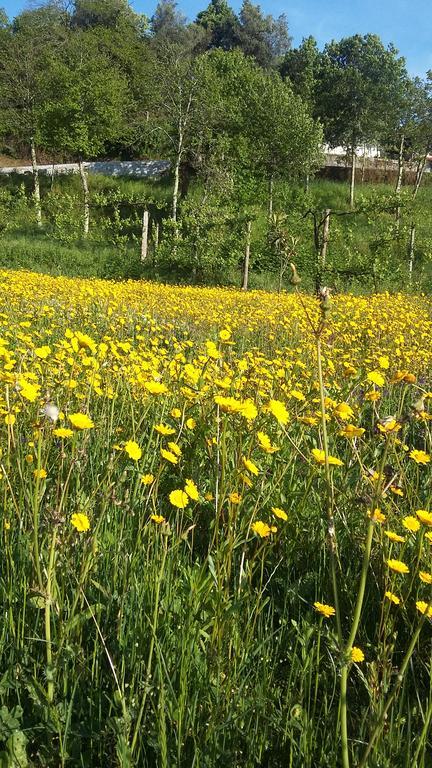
(353, 173)
(270, 207)
(325, 238)
(399, 180)
(247, 257)
(144, 237)
(86, 192)
(400, 165)
(411, 252)
(36, 185)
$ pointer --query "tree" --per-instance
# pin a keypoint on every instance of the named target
(285, 139)
(262, 37)
(357, 82)
(167, 23)
(86, 106)
(221, 25)
(301, 67)
(28, 45)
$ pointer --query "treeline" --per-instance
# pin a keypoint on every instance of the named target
(225, 98)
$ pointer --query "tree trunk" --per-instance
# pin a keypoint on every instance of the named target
(399, 181)
(325, 238)
(419, 175)
(247, 257)
(36, 186)
(86, 192)
(363, 164)
(156, 235)
(176, 186)
(270, 207)
(353, 172)
(144, 238)
(400, 165)
(411, 252)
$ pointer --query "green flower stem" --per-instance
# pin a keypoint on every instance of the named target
(381, 720)
(356, 617)
(48, 596)
(330, 496)
(152, 644)
(36, 510)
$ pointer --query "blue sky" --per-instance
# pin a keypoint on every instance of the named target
(406, 23)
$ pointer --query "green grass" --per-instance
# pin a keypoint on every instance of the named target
(364, 252)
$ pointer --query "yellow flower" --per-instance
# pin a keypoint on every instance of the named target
(396, 490)
(265, 443)
(389, 426)
(278, 410)
(424, 516)
(297, 395)
(376, 377)
(174, 448)
(40, 474)
(384, 362)
(250, 466)
(343, 411)
(157, 519)
(176, 413)
(235, 498)
(411, 523)
(147, 479)
(319, 457)
(279, 513)
(191, 490)
(428, 536)
(352, 431)
(357, 654)
(394, 536)
(42, 352)
(373, 396)
(398, 566)
(422, 606)
(262, 529)
(249, 410)
(190, 423)
(425, 577)
(393, 598)
(163, 429)
(377, 516)
(420, 457)
(80, 521)
(155, 387)
(63, 432)
(80, 421)
(311, 421)
(225, 334)
(325, 610)
(133, 450)
(10, 419)
(179, 499)
(169, 456)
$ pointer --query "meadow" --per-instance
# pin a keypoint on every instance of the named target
(366, 250)
(216, 526)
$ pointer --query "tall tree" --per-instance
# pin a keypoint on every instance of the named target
(167, 23)
(357, 82)
(34, 38)
(221, 25)
(301, 66)
(85, 110)
(264, 38)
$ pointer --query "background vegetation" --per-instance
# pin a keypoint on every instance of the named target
(242, 118)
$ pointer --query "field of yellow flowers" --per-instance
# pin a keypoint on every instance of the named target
(216, 527)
